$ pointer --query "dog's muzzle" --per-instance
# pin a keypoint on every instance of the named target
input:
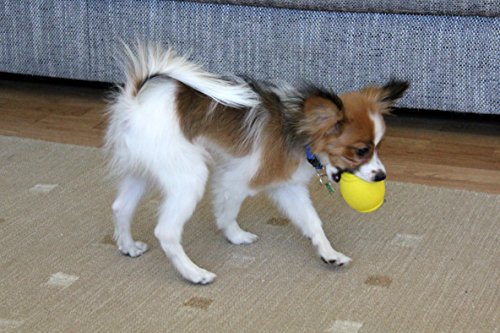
(379, 176)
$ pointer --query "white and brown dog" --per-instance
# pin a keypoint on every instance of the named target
(171, 118)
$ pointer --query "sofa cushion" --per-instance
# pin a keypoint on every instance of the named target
(451, 61)
(428, 7)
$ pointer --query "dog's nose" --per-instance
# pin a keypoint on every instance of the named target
(379, 176)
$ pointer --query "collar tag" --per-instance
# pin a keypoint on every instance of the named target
(320, 170)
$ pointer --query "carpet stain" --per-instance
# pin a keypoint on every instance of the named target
(278, 221)
(200, 303)
(2, 220)
(108, 240)
(378, 281)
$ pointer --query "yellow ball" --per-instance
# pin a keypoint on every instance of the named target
(361, 195)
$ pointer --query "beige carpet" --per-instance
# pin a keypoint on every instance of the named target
(428, 261)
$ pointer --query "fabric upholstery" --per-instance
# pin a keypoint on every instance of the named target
(451, 61)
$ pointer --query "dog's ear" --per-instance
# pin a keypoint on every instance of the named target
(393, 90)
(387, 95)
(324, 114)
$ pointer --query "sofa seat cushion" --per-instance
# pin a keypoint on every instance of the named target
(427, 7)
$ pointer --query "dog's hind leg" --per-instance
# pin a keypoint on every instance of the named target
(130, 193)
(183, 190)
(228, 196)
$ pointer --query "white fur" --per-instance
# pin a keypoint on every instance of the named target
(148, 60)
(369, 170)
(147, 147)
(379, 126)
(293, 199)
(374, 167)
(147, 144)
(230, 189)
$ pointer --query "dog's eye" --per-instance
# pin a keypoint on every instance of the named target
(362, 152)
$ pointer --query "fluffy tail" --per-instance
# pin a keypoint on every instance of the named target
(148, 61)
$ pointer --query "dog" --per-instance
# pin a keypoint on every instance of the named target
(171, 120)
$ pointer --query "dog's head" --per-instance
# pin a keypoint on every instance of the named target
(346, 131)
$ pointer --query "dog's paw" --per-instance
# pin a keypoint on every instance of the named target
(134, 249)
(242, 238)
(336, 258)
(199, 276)
(238, 236)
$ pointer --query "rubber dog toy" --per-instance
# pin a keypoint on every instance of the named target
(363, 196)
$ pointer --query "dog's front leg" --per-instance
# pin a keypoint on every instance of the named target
(294, 201)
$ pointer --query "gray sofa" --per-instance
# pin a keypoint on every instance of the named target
(449, 50)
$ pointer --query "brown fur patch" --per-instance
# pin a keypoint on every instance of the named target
(223, 125)
(276, 165)
(318, 104)
(323, 122)
(278, 162)
(360, 127)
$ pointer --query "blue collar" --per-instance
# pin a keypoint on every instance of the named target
(320, 170)
(313, 159)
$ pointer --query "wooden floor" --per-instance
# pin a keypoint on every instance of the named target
(447, 149)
